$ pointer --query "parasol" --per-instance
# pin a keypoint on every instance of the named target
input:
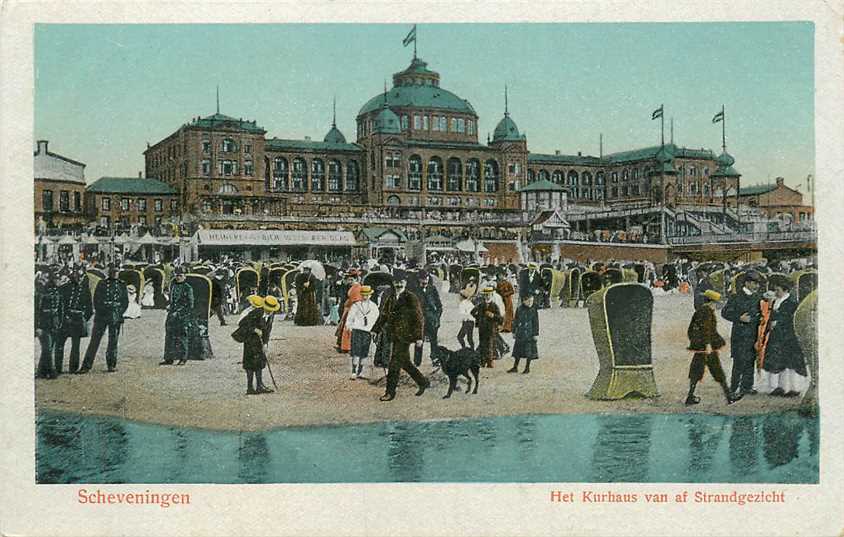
(316, 268)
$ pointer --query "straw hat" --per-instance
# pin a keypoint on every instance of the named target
(714, 296)
(271, 304)
(256, 301)
(488, 290)
(532, 265)
(366, 290)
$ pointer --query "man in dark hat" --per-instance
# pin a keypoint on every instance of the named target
(110, 301)
(432, 310)
(78, 309)
(403, 321)
(703, 285)
(177, 327)
(743, 310)
(530, 283)
(49, 315)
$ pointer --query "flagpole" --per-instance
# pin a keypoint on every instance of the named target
(723, 130)
(662, 125)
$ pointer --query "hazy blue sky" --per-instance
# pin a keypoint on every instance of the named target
(103, 91)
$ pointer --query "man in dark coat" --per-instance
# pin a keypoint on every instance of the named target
(488, 319)
(307, 309)
(180, 320)
(49, 315)
(743, 310)
(78, 309)
(704, 341)
(218, 295)
(110, 301)
(531, 283)
(255, 326)
(404, 322)
(432, 310)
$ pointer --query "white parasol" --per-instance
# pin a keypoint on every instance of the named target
(316, 268)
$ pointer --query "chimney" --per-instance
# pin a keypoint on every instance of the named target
(308, 138)
(780, 181)
(557, 152)
(579, 154)
(42, 147)
(140, 176)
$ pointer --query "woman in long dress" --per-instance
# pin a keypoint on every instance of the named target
(148, 297)
(133, 310)
(784, 369)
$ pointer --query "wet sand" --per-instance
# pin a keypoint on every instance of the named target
(314, 388)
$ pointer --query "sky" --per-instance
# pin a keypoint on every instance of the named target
(103, 91)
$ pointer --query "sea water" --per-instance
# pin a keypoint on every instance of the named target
(688, 448)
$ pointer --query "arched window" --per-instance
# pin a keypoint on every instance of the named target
(586, 179)
(393, 201)
(281, 174)
(227, 188)
(599, 178)
(559, 177)
(335, 176)
(543, 175)
(614, 177)
(455, 175)
(352, 176)
(414, 172)
(473, 175)
(531, 176)
(491, 176)
(635, 174)
(300, 175)
(573, 178)
(317, 175)
(435, 174)
(625, 175)
(248, 168)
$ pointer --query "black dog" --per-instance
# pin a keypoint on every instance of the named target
(456, 363)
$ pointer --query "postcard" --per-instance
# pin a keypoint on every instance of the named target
(478, 270)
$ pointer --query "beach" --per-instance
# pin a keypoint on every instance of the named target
(314, 386)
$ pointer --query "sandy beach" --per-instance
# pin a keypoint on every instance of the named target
(314, 388)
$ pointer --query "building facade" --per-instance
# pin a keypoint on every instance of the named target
(59, 190)
(777, 201)
(124, 202)
(416, 147)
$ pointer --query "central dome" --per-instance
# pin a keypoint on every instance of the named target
(418, 87)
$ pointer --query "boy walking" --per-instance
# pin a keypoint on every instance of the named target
(705, 341)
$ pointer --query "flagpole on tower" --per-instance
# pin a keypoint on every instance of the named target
(723, 130)
(662, 125)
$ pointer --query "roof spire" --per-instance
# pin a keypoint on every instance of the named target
(218, 98)
(385, 93)
(334, 112)
(506, 109)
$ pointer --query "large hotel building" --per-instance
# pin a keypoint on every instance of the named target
(417, 146)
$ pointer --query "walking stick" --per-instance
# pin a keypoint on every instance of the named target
(269, 369)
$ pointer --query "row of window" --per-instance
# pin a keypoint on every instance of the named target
(125, 221)
(140, 204)
(227, 167)
(285, 179)
(585, 178)
(64, 201)
(227, 145)
(427, 123)
(435, 201)
(455, 176)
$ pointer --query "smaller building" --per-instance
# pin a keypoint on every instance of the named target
(543, 196)
(777, 201)
(59, 190)
(123, 202)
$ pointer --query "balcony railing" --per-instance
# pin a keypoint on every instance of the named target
(772, 236)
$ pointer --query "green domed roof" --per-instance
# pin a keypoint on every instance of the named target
(334, 136)
(506, 130)
(725, 160)
(421, 96)
(386, 122)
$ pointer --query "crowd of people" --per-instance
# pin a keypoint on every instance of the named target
(383, 323)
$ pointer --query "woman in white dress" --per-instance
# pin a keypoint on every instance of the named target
(148, 298)
(133, 310)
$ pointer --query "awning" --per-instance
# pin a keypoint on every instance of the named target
(258, 237)
(469, 246)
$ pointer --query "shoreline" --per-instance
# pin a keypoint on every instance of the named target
(314, 389)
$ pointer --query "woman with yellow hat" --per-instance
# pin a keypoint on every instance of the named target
(254, 331)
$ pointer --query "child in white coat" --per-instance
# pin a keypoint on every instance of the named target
(362, 316)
